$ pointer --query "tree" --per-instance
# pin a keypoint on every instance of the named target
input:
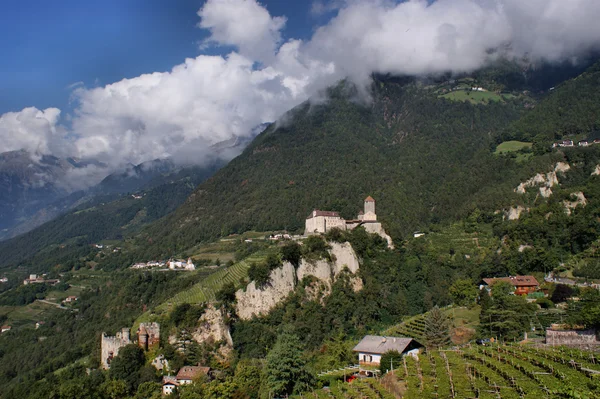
(291, 252)
(587, 310)
(285, 371)
(127, 364)
(505, 315)
(561, 293)
(226, 294)
(247, 378)
(389, 360)
(437, 329)
(114, 389)
(463, 292)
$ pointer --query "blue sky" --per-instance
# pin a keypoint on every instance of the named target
(49, 45)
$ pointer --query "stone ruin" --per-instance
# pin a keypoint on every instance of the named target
(110, 346)
(148, 337)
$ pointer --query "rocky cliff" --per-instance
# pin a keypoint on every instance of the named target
(256, 300)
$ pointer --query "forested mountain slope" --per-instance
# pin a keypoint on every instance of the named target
(422, 157)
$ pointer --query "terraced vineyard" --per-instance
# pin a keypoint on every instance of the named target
(507, 372)
(367, 388)
(413, 328)
(502, 372)
(205, 290)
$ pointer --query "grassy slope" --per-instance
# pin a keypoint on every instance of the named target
(511, 146)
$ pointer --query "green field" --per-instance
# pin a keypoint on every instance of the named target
(511, 146)
(474, 97)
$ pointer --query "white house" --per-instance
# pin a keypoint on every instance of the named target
(181, 264)
(372, 347)
(169, 385)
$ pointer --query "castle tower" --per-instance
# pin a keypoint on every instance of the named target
(143, 338)
(370, 210)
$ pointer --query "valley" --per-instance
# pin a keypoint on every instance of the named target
(470, 192)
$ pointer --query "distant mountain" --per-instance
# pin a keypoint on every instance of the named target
(135, 177)
(29, 182)
(36, 189)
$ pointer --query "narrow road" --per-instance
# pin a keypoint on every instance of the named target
(58, 305)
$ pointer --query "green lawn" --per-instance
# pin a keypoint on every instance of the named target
(511, 146)
(475, 97)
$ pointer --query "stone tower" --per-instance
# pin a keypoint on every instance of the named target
(143, 338)
(370, 210)
(148, 335)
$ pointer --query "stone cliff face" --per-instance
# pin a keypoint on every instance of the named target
(212, 327)
(260, 300)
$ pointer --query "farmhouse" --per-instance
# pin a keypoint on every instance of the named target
(372, 347)
(187, 374)
(182, 264)
(523, 284)
(169, 384)
(35, 279)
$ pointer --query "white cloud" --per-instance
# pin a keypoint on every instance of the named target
(209, 99)
(31, 129)
(244, 24)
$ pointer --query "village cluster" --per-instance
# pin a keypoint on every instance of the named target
(179, 264)
(571, 143)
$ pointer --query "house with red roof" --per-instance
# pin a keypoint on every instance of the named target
(523, 284)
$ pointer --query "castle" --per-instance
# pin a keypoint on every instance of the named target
(148, 336)
(320, 222)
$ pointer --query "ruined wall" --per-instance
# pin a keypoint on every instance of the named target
(260, 300)
(570, 337)
(153, 330)
(110, 346)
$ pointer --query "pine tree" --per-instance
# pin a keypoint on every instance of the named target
(285, 371)
(437, 329)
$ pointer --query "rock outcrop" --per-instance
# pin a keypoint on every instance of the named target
(578, 199)
(260, 300)
(212, 327)
(544, 180)
(283, 280)
(514, 213)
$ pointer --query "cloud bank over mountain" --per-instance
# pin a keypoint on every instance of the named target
(209, 99)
